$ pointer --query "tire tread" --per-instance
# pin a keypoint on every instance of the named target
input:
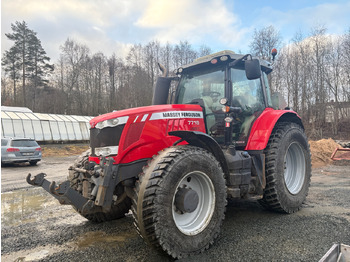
(146, 221)
(271, 199)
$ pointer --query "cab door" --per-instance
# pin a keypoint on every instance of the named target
(249, 96)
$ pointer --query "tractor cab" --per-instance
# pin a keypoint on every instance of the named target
(232, 90)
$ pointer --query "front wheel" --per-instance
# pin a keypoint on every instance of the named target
(180, 200)
(288, 169)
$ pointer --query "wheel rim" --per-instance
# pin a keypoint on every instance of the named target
(294, 168)
(196, 221)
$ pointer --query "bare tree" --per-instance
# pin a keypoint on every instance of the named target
(264, 40)
(73, 58)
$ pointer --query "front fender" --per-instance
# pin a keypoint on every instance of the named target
(205, 141)
(263, 126)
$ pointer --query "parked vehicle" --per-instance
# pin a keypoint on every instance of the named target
(174, 165)
(17, 150)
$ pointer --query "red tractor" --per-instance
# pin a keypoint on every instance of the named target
(174, 165)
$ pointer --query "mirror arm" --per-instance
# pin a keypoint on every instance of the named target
(234, 63)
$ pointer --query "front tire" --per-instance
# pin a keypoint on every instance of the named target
(288, 169)
(180, 200)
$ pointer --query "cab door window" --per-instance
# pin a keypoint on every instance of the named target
(248, 95)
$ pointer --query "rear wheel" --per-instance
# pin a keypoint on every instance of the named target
(288, 169)
(120, 206)
(180, 200)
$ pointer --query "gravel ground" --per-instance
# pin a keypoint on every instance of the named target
(13, 177)
(36, 228)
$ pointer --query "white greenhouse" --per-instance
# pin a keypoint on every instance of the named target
(48, 128)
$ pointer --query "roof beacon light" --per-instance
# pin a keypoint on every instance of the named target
(214, 61)
(273, 53)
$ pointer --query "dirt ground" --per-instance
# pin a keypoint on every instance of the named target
(35, 227)
(321, 151)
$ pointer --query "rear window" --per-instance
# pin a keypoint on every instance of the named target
(3, 142)
(24, 143)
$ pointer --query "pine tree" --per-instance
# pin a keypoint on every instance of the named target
(30, 58)
(12, 67)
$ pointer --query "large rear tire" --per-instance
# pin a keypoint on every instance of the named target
(180, 200)
(120, 206)
(288, 169)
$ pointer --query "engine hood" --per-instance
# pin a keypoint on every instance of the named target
(144, 110)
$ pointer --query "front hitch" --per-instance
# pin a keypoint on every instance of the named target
(64, 194)
(100, 200)
(38, 179)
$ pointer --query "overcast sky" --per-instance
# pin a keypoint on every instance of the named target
(111, 26)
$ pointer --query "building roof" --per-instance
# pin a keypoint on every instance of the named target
(16, 109)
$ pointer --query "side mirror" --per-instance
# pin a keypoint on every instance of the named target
(252, 69)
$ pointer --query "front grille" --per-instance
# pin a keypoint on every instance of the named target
(108, 136)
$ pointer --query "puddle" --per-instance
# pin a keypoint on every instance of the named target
(101, 238)
(35, 256)
(17, 206)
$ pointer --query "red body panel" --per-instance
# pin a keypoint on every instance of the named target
(146, 131)
(262, 128)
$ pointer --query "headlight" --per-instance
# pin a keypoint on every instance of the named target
(223, 101)
(112, 122)
(106, 151)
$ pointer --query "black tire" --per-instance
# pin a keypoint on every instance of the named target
(158, 219)
(33, 163)
(119, 207)
(288, 169)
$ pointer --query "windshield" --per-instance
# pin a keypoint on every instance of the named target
(202, 84)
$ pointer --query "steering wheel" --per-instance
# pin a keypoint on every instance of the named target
(211, 94)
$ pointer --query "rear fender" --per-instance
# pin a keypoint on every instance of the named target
(263, 126)
(205, 141)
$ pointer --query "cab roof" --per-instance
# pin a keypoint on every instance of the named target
(231, 56)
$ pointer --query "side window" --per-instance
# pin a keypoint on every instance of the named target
(268, 93)
(248, 95)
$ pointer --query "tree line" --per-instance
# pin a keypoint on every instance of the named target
(83, 83)
(312, 72)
